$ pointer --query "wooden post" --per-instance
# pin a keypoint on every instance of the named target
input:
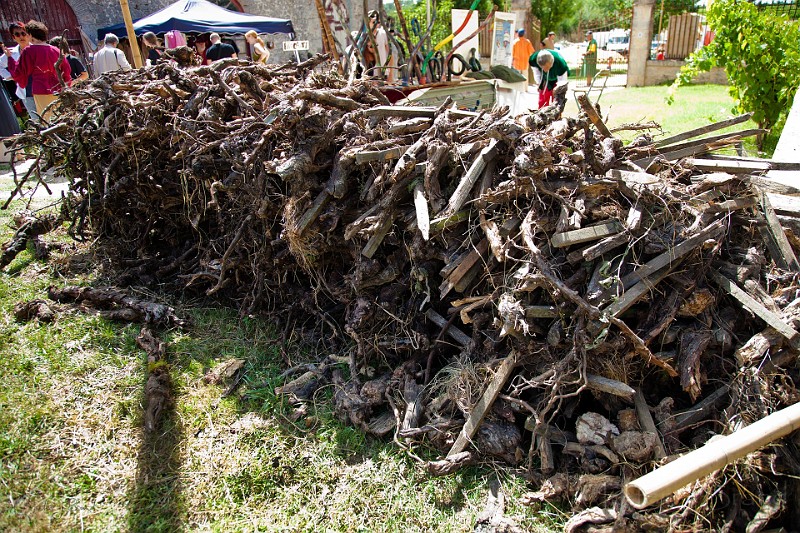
(126, 14)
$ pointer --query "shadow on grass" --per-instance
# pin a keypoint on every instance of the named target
(155, 503)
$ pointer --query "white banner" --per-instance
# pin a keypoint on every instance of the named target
(502, 37)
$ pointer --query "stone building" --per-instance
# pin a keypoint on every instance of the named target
(90, 15)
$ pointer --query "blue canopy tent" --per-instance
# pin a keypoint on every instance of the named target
(200, 16)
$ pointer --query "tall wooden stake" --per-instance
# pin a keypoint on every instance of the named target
(329, 43)
(126, 14)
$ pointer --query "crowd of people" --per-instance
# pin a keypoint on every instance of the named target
(35, 69)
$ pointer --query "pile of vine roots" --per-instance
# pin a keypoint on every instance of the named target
(522, 274)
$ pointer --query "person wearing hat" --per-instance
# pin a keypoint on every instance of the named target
(590, 58)
(551, 73)
(521, 52)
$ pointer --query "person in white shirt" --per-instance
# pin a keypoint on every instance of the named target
(23, 40)
(382, 44)
(109, 58)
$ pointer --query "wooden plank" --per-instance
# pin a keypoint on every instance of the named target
(313, 212)
(377, 238)
(461, 270)
(785, 205)
(773, 164)
(467, 182)
(731, 167)
(705, 129)
(644, 178)
(578, 236)
(632, 295)
(713, 139)
(759, 310)
(414, 111)
(413, 125)
(541, 311)
(634, 219)
(421, 208)
(594, 251)
(672, 255)
(732, 205)
(647, 423)
(701, 410)
(702, 147)
(773, 187)
(591, 112)
(380, 155)
(453, 332)
(778, 244)
(484, 404)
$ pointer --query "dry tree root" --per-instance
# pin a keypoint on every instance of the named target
(158, 386)
(423, 246)
(29, 228)
(41, 310)
(116, 305)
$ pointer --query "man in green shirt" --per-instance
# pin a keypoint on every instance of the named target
(590, 58)
(550, 72)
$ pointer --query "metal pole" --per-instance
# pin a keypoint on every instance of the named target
(126, 14)
(428, 12)
(660, 20)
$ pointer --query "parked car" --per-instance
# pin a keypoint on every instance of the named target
(619, 44)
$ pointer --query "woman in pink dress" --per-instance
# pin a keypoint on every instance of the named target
(39, 62)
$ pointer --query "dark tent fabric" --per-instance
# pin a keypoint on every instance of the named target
(8, 119)
(200, 16)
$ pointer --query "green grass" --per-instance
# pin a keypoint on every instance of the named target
(74, 455)
(695, 106)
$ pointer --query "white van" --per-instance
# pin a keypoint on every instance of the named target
(619, 42)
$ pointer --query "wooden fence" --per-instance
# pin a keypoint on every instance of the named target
(684, 36)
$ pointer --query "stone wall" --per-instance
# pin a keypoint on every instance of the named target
(94, 14)
(657, 72)
(305, 20)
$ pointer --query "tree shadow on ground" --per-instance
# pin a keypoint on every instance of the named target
(155, 502)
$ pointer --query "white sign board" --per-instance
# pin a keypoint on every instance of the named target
(458, 16)
(502, 37)
(290, 46)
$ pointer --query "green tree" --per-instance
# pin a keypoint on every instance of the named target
(556, 15)
(671, 7)
(603, 14)
(443, 25)
(607, 14)
(760, 55)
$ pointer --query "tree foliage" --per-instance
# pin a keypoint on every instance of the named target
(603, 14)
(607, 14)
(443, 25)
(555, 15)
(760, 55)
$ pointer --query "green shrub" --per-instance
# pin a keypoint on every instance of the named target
(760, 54)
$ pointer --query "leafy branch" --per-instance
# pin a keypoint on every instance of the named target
(760, 55)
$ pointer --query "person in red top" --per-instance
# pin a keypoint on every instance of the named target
(39, 62)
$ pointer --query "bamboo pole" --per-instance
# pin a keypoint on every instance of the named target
(126, 14)
(662, 482)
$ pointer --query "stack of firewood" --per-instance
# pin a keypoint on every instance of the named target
(526, 288)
